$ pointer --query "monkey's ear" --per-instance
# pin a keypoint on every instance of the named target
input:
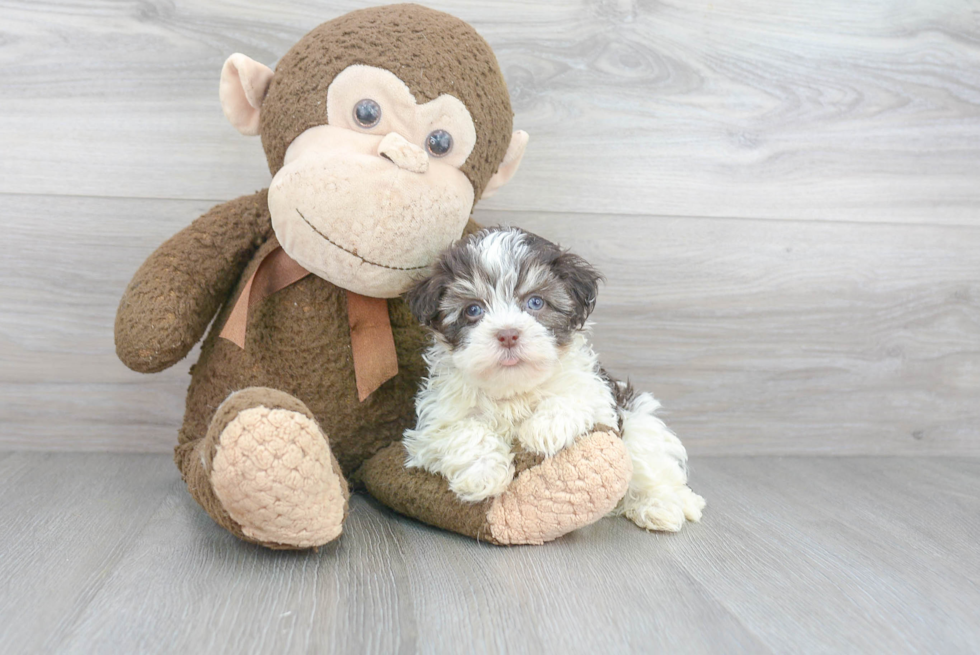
(244, 83)
(515, 152)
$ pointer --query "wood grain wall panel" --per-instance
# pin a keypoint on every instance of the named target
(758, 109)
(762, 336)
(759, 336)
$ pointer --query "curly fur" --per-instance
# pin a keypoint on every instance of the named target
(521, 373)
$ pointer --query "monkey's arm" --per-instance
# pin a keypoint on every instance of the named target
(548, 498)
(177, 291)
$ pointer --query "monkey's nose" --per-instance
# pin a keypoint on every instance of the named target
(403, 154)
(508, 338)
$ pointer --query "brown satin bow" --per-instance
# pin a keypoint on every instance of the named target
(371, 340)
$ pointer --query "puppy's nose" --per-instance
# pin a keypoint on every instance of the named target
(508, 338)
(403, 154)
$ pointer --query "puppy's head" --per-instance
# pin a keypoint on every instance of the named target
(505, 302)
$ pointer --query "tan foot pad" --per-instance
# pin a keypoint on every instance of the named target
(272, 473)
(576, 487)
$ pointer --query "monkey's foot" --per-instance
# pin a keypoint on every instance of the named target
(576, 487)
(273, 473)
(547, 499)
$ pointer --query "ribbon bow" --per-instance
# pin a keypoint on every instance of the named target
(371, 340)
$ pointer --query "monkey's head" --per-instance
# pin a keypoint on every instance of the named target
(382, 129)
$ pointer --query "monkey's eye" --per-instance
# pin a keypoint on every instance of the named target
(439, 143)
(474, 311)
(367, 113)
(535, 303)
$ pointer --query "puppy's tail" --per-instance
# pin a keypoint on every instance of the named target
(658, 497)
(646, 436)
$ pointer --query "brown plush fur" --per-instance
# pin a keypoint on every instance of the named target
(179, 288)
(424, 496)
(432, 52)
(427, 497)
(297, 354)
(311, 312)
(547, 499)
(194, 459)
(298, 341)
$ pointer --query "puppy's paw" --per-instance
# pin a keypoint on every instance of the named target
(666, 511)
(547, 433)
(486, 477)
(693, 505)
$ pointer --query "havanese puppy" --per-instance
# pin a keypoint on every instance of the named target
(511, 365)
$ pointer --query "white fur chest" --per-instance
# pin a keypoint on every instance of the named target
(448, 397)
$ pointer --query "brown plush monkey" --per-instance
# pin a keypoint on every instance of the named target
(382, 128)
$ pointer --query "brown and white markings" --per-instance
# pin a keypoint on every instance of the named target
(511, 365)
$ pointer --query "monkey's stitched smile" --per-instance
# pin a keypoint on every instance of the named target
(354, 254)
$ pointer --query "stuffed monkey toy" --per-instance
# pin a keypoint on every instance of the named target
(382, 128)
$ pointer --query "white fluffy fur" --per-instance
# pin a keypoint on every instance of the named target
(467, 431)
(475, 406)
(658, 497)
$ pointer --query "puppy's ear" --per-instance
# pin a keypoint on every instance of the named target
(582, 283)
(424, 298)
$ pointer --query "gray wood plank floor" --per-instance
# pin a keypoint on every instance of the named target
(108, 553)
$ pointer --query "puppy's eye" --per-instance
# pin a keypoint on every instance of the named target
(367, 113)
(439, 143)
(474, 311)
(535, 303)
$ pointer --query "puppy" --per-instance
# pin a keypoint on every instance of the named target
(511, 364)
